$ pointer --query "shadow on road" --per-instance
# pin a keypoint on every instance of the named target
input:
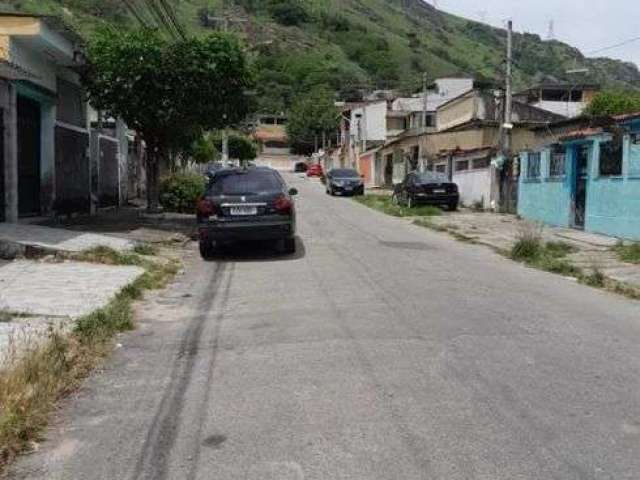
(256, 252)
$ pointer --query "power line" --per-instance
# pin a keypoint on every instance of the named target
(611, 47)
(173, 18)
(134, 11)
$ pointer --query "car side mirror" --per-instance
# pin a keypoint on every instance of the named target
(293, 191)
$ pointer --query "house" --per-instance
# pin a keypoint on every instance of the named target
(387, 122)
(47, 160)
(274, 148)
(585, 174)
(562, 98)
(464, 145)
(46, 133)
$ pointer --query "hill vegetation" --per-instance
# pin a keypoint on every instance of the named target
(355, 45)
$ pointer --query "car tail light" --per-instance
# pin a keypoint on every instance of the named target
(205, 208)
(283, 205)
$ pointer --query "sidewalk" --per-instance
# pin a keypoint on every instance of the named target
(17, 240)
(499, 231)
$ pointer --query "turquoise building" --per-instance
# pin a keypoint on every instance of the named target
(587, 178)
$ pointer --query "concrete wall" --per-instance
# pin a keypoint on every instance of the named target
(546, 200)
(613, 203)
(457, 112)
(474, 186)
(372, 124)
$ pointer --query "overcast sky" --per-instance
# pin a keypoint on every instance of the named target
(587, 24)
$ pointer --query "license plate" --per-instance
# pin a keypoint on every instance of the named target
(348, 189)
(244, 210)
(439, 190)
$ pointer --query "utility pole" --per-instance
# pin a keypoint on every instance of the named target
(508, 101)
(425, 99)
(425, 107)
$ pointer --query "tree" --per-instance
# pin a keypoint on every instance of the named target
(203, 149)
(614, 102)
(169, 92)
(312, 115)
(240, 146)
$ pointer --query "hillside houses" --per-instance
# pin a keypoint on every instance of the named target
(459, 134)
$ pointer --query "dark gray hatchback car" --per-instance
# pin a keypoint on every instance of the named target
(246, 204)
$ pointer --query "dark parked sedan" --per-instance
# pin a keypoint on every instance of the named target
(426, 188)
(344, 181)
(245, 204)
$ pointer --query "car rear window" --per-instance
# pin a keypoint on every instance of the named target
(252, 182)
(431, 177)
(344, 173)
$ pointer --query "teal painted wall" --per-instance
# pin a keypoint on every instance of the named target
(546, 200)
(612, 203)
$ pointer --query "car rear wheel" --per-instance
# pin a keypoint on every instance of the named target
(453, 207)
(207, 249)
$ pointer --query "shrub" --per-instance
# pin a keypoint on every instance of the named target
(289, 14)
(628, 253)
(179, 192)
(528, 244)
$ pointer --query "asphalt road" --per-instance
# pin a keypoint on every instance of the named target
(381, 351)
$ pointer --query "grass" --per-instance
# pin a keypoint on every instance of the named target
(146, 249)
(33, 380)
(628, 253)
(530, 249)
(384, 204)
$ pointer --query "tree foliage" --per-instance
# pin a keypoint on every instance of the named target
(614, 102)
(312, 115)
(168, 91)
(241, 147)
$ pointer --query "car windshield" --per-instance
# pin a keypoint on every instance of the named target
(431, 177)
(344, 173)
(250, 182)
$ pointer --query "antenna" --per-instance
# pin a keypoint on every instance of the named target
(551, 34)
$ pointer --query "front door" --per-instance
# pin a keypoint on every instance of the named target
(581, 177)
(28, 157)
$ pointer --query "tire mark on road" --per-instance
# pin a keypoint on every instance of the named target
(153, 461)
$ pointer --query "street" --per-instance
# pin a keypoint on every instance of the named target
(381, 350)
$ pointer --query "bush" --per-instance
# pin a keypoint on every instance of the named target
(289, 14)
(528, 244)
(179, 192)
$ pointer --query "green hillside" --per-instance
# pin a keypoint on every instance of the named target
(356, 44)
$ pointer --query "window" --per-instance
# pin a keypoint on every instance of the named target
(71, 106)
(533, 165)
(611, 158)
(557, 162)
(462, 165)
(635, 139)
(442, 168)
(251, 182)
(481, 162)
(415, 153)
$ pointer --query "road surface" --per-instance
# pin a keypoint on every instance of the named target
(380, 351)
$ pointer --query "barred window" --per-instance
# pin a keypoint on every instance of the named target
(481, 162)
(557, 163)
(462, 165)
(611, 158)
(533, 165)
